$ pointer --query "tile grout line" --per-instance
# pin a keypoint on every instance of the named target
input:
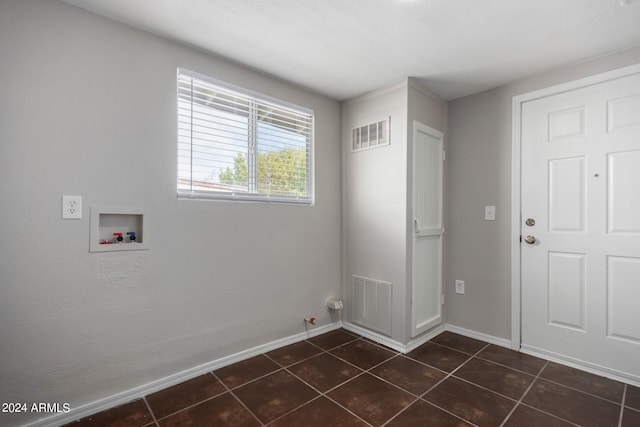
(324, 394)
(153, 415)
(504, 396)
(447, 375)
(321, 394)
(294, 409)
(363, 372)
(521, 403)
(518, 402)
(622, 403)
(421, 396)
(192, 405)
(507, 366)
(348, 410)
(280, 367)
(397, 414)
(582, 391)
(230, 391)
(484, 346)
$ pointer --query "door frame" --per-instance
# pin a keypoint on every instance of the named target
(516, 182)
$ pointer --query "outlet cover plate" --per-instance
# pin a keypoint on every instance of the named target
(460, 287)
(489, 213)
(71, 207)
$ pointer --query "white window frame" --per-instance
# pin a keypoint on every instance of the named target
(195, 188)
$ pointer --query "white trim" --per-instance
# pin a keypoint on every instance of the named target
(502, 342)
(377, 92)
(374, 336)
(516, 171)
(418, 341)
(177, 378)
(592, 368)
(415, 343)
(393, 344)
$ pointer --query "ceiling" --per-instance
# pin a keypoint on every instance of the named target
(343, 48)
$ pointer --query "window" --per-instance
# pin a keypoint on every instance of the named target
(238, 145)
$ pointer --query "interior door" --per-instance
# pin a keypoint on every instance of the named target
(428, 229)
(580, 250)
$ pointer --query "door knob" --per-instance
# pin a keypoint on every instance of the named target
(530, 239)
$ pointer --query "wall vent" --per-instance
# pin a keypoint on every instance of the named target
(371, 304)
(372, 135)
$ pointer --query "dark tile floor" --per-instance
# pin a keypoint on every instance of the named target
(341, 379)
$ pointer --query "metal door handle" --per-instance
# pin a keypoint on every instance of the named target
(530, 239)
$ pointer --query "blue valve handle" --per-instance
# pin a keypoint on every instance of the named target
(132, 235)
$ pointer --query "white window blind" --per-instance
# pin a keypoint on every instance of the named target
(238, 145)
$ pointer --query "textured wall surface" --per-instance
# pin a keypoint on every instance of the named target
(88, 107)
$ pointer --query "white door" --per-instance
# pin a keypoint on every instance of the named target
(428, 229)
(581, 198)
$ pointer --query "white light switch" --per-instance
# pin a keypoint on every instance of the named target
(489, 213)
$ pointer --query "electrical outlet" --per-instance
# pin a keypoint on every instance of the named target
(489, 213)
(460, 287)
(71, 207)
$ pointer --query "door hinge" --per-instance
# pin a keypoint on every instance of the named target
(442, 299)
(444, 155)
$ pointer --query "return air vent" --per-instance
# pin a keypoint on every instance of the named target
(371, 135)
(371, 304)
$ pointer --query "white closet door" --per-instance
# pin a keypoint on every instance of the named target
(428, 229)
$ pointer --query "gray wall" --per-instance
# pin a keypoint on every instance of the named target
(374, 189)
(478, 174)
(88, 107)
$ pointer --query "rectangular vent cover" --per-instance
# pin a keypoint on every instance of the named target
(371, 304)
(371, 135)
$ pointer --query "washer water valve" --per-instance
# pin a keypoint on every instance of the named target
(335, 304)
(119, 237)
(132, 235)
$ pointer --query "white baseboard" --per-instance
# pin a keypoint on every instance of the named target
(177, 378)
(418, 341)
(583, 366)
(396, 345)
(374, 336)
(502, 342)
